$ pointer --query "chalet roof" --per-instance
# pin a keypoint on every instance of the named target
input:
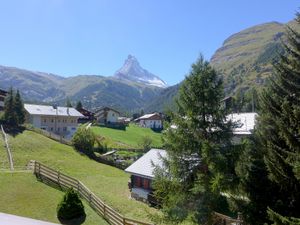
(147, 116)
(48, 110)
(246, 122)
(98, 111)
(145, 165)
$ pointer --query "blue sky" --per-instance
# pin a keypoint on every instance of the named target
(71, 37)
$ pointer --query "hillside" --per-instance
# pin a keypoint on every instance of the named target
(245, 58)
(109, 183)
(94, 91)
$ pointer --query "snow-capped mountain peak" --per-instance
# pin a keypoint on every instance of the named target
(132, 71)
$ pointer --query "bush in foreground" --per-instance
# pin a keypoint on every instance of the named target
(84, 140)
(70, 207)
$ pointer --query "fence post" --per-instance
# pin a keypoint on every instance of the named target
(90, 197)
(104, 211)
(240, 218)
(78, 186)
(124, 222)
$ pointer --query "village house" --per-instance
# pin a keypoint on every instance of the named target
(142, 174)
(2, 98)
(153, 121)
(59, 120)
(245, 124)
(88, 116)
(106, 116)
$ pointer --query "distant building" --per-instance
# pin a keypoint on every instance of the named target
(88, 116)
(106, 116)
(153, 121)
(2, 98)
(59, 120)
(245, 125)
(142, 174)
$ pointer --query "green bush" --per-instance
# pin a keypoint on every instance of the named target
(84, 140)
(70, 207)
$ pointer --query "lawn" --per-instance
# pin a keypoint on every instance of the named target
(129, 138)
(23, 195)
(109, 183)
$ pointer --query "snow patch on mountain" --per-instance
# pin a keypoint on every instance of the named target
(132, 71)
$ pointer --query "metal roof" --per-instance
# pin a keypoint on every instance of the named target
(146, 116)
(48, 110)
(145, 165)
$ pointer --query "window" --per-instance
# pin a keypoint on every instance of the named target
(51, 128)
(137, 181)
(52, 121)
(65, 128)
(45, 120)
(146, 183)
(58, 129)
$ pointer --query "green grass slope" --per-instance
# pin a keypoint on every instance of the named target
(22, 195)
(109, 183)
(129, 138)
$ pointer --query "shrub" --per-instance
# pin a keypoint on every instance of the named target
(70, 207)
(84, 140)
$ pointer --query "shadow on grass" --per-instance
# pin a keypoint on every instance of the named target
(75, 221)
(13, 131)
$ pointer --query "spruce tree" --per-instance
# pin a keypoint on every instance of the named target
(198, 150)
(68, 104)
(19, 108)
(79, 105)
(279, 129)
(9, 109)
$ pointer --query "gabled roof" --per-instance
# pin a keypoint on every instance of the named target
(98, 111)
(3, 92)
(145, 165)
(147, 116)
(48, 110)
(246, 122)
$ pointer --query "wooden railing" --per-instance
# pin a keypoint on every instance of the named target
(9, 155)
(47, 174)
(220, 219)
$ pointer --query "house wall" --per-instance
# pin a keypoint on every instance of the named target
(63, 125)
(112, 116)
(151, 123)
(140, 187)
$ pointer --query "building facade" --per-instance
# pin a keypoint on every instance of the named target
(142, 175)
(153, 121)
(62, 121)
(2, 98)
(106, 116)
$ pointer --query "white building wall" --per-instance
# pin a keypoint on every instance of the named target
(1, 103)
(151, 123)
(36, 121)
(112, 116)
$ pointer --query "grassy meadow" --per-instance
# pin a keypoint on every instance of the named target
(23, 195)
(109, 183)
(129, 138)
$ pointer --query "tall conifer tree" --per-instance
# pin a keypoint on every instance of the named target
(198, 149)
(19, 109)
(9, 109)
(279, 129)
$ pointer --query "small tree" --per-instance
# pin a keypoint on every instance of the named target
(70, 207)
(146, 143)
(84, 140)
(69, 104)
(19, 108)
(79, 105)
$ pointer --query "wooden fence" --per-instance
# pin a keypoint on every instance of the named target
(220, 219)
(47, 174)
(9, 155)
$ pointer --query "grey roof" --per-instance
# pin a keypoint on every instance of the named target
(48, 110)
(9, 219)
(145, 165)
